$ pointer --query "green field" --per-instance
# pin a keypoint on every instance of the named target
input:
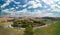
(52, 29)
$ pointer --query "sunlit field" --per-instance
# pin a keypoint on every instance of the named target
(51, 28)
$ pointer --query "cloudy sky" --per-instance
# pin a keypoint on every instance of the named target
(35, 8)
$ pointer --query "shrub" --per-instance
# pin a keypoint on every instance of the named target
(28, 29)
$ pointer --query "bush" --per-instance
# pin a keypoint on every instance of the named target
(16, 23)
(28, 29)
(22, 23)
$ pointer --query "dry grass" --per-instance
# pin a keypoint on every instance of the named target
(5, 19)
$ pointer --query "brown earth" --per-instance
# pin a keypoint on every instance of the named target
(5, 19)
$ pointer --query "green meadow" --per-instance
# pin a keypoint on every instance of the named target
(52, 28)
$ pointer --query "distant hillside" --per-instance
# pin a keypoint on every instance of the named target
(5, 19)
(16, 18)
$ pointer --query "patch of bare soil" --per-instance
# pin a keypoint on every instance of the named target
(5, 19)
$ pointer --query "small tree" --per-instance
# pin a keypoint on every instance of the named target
(28, 29)
(17, 23)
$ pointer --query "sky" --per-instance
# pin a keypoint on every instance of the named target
(34, 8)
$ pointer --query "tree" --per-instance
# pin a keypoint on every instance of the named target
(28, 29)
(17, 23)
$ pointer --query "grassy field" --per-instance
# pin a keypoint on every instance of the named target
(52, 29)
(9, 31)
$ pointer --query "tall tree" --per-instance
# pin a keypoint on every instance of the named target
(28, 29)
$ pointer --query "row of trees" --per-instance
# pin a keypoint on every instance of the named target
(28, 25)
(22, 23)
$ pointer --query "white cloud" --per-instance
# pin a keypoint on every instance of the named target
(54, 6)
(58, 6)
(11, 8)
(58, 2)
(56, 10)
(34, 4)
(42, 14)
(48, 2)
(13, 13)
(16, 2)
(37, 0)
(37, 5)
(7, 3)
(51, 3)
(25, 12)
(25, 5)
(17, 7)
(49, 14)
